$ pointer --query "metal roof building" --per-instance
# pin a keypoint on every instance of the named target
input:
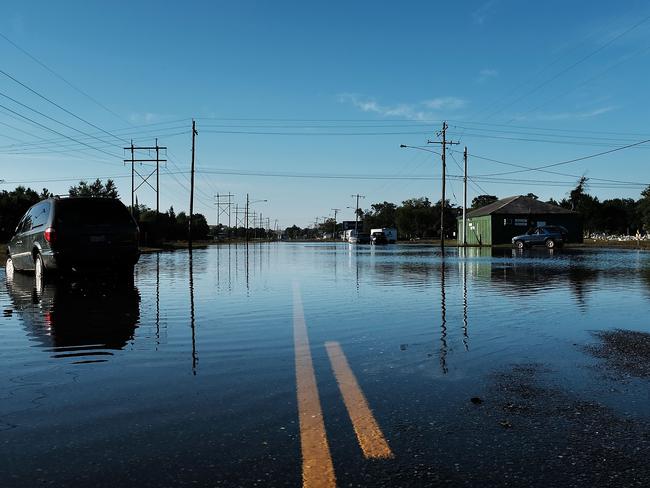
(500, 221)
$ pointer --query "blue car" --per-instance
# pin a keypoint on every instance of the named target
(550, 236)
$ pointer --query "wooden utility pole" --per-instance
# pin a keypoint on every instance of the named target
(465, 199)
(194, 134)
(157, 180)
(356, 215)
(246, 216)
(132, 179)
(444, 143)
(336, 211)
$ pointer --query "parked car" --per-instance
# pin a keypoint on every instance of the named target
(378, 239)
(75, 234)
(548, 235)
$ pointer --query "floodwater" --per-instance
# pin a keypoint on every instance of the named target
(289, 364)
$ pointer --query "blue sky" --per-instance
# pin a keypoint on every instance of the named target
(339, 84)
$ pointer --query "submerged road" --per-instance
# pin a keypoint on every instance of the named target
(325, 365)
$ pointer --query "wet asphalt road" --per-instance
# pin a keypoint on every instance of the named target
(486, 369)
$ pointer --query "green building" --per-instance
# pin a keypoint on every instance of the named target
(500, 221)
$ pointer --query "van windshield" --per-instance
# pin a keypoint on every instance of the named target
(92, 211)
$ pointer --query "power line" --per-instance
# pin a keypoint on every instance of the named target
(261, 133)
(570, 67)
(77, 89)
(548, 171)
(57, 132)
(570, 160)
(59, 106)
(527, 127)
(50, 118)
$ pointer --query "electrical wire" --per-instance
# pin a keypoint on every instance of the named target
(574, 160)
(43, 65)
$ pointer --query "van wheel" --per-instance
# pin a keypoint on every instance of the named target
(550, 243)
(39, 268)
(519, 244)
(9, 268)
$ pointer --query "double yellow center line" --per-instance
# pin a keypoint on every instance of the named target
(317, 465)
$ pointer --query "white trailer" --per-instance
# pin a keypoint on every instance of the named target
(389, 232)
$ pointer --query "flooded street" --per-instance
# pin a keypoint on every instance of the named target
(393, 366)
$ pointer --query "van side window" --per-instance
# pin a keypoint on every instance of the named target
(39, 214)
(27, 224)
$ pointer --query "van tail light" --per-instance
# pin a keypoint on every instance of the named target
(50, 235)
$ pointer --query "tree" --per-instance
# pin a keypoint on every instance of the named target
(416, 218)
(483, 200)
(532, 195)
(586, 205)
(95, 189)
(293, 232)
(643, 209)
(13, 205)
(381, 215)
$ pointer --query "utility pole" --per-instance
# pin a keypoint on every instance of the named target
(246, 216)
(356, 214)
(444, 143)
(194, 134)
(336, 211)
(132, 178)
(465, 199)
(145, 179)
(157, 179)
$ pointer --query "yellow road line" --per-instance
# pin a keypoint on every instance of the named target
(317, 466)
(372, 441)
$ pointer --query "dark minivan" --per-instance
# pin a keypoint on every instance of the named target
(75, 234)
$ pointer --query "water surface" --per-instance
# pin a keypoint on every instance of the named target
(188, 374)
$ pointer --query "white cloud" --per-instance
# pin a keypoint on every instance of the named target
(144, 117)
(445, 103)
(487, 73)
(567, 115)
(411, 111)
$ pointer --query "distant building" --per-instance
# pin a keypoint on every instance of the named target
(500, 221)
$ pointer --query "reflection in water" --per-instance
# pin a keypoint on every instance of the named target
(248, 289)
(464, 273)
(157, 299)
(443, 322)
(84, 321)
(195, 358)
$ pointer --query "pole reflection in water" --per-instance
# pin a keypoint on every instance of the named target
(247, 280)
(463, 265)
(195, 359)
(229, 266)
(443, 323)
(218, 266)
(157, 300)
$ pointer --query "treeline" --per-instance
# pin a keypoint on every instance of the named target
(415, 218)
(418, 218)
(611, 216)
(165, 226)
